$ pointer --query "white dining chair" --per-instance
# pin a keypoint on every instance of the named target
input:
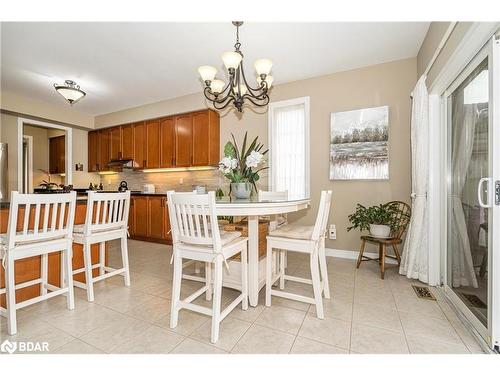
(106, 219)
(303, 239)
(196, 236)
(47, 227)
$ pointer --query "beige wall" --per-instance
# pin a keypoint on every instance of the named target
(36, 108)
(385, 84)
(431, 43)
(9, 133)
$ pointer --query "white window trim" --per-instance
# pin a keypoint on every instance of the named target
(270, 115)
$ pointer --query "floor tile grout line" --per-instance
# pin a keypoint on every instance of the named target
(298, 331)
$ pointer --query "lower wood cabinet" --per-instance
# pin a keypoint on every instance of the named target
(148, 219)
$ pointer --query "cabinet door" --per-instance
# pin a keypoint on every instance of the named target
(131, 217)
(156, 214)
(115, 143)
(61, 154)
(140, 144)
(153, 144)
(127, 141)
(53, 158)
(183, 140)
(166, 226)
(104, 149)
(214, 138)
(93, 150)
(167, 142)
(201, 138)
(141, 216)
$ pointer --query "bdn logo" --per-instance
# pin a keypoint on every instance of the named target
(23, 347)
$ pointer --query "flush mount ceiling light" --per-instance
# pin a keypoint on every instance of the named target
(237, 90)
(70, 91)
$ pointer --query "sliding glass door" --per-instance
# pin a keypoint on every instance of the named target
(471, 205)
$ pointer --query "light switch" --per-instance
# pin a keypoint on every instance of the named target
(333, 232)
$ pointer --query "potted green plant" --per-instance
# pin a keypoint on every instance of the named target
(379, 220)
(240, 166)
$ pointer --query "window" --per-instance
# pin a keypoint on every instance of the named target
(289, 147)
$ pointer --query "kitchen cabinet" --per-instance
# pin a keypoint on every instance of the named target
(206, 138)
(57, 158)
(104, 149)
(140, 144)
(156, 216)
(191, 139)
(153, 144)
(93, 151)
(127, 139)
(148, 219)
(167, 142)
(115, 143)
(183, 140)
(141, 220)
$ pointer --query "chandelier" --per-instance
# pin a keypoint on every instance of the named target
(70, 91)
(237, 91)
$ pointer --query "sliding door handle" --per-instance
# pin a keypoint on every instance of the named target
(480, 192)
(497, 192)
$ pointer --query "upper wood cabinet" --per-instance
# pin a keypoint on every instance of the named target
(93, 151)
(115, 143)
(127, 138)
(153, 144)
(183, 140)
(140, 144)
(167, 142)
(191, 139)
(104, 149)
(206, 138)
(57, 158)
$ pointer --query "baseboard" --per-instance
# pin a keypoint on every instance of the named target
(353, 254)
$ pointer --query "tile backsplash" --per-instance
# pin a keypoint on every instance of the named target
(164, 181)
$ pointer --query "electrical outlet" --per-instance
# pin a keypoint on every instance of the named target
(333, 232)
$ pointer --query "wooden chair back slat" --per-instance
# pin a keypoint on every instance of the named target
(402, 218)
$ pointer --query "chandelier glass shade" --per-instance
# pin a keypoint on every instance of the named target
(70, 91)
(237, 91)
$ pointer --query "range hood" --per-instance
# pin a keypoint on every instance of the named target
(123, 163)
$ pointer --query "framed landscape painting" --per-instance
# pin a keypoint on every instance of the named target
(359, 144)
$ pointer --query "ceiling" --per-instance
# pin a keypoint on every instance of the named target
(122, 65)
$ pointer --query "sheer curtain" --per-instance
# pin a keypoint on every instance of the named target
(288, 147)
(415, 257)
(464, 122)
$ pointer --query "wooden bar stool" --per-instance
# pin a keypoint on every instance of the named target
(303, 239)
(52, 217)
(402, 218)
(106, 220)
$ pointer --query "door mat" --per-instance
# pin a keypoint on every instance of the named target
(474, 301)
(423, 292)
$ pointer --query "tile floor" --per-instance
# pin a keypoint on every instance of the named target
(365, 315)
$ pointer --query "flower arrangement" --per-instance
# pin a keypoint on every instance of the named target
(240, 165)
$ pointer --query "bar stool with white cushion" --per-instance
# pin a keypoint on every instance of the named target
(106, 220)
(196, 236)
(277, 221)
(302, 239)
(52, 217)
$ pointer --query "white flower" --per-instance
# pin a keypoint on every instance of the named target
(254, 159)
(227, 164)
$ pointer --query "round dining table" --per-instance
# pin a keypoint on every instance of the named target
(253, 208)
